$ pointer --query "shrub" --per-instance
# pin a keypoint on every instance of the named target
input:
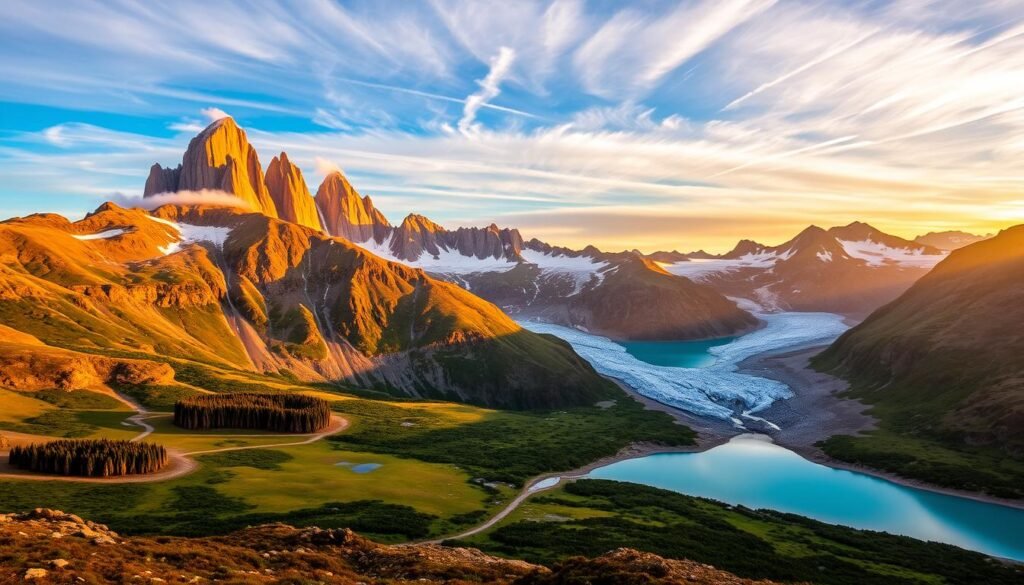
(90, 458)
(288, 413)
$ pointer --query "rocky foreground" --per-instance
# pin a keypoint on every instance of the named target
(49, 546)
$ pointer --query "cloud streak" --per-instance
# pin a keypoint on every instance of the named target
(563, 116)
(490, 88)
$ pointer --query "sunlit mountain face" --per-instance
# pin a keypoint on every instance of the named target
(669, 125)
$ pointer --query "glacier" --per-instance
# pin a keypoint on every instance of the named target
(718, 390)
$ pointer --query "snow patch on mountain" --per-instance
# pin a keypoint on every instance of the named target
(106, 234)
(581, 269)
(189, 234)
(447, 262)
(877, 254)
(717, 391)
(698, 269)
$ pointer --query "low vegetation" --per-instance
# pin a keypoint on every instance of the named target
(286, 413)
(501, 445)
(90, 458)
(594, 516)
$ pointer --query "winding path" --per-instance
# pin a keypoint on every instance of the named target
(181, 463)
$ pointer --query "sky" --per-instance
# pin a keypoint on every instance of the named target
(648, 124)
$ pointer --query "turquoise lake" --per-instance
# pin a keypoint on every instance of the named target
(675, 354)
(755, 473)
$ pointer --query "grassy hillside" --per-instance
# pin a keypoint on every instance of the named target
(943, 366)
(595, 515)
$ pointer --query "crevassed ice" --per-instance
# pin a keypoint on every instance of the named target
(100, 235)
(717, 391)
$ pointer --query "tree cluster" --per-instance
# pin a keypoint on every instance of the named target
(90, 457)
(286, 413)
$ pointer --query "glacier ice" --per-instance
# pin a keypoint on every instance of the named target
(718, 390)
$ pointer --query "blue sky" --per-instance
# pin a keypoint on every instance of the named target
(644, 124)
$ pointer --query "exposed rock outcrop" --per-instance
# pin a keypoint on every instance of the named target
(277, 553)
(348, 215)
(288, 189)
(218, 158)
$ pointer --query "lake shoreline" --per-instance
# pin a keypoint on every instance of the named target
(815, 411)
(846, 416)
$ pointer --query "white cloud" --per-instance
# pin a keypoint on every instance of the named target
(203, 197)
(213, 114)
(490, 87)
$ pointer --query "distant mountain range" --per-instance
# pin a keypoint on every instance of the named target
(951, 240)
(107, 298)
(851, 270)
(620, 295)
(945, 358)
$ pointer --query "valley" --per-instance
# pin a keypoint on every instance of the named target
(483, 387)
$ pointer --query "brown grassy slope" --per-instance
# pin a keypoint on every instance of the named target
(275, 296)
(948, 355)
(117, 294)
(90, 553)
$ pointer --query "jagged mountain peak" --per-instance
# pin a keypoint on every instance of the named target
(419, 223)
(288, 189)
(347, 214)
(744, 248)
(218, 158)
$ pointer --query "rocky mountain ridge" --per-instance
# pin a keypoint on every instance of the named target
(851, 269)
(246, 291)
(620, 295)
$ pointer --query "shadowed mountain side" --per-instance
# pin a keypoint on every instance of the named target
(945, 357)
(635, 299)
(244, 290)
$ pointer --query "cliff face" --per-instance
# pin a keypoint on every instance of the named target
(347, 214)
(947, 353)
(418, 236)
(288, 189)
(218, 158)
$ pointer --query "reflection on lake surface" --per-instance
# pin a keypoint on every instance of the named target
(755, 473)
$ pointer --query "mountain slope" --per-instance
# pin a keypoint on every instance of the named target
(851, 269)
(620, 295)
(951, 240)
(947, 354)
(246, 291)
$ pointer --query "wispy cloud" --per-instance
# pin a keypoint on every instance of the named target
(490, 87)
(633, 51)
(548, 114)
